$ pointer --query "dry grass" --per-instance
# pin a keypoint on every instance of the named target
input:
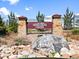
(10, 39)
(68, 34)
(76, 37)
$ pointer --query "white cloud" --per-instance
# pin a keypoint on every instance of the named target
(4, 11)
(48, 19)
(12, 2)
(77, 14)
(28, 8)
(49, 16)
(16, 14)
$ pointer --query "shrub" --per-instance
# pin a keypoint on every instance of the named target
(21, 41)
(51, 54)
(75, 31)
(2, 32)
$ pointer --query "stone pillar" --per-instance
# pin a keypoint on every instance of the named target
(57, 25)
(22, 26)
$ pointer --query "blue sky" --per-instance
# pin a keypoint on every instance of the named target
(30, 8)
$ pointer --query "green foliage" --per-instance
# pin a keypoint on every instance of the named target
(52, 54)
(2, 27)
(1, 23)
(12, 26)
(40, 17)
(75, 31)
(68, 19)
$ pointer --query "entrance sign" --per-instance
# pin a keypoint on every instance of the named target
(39, 27)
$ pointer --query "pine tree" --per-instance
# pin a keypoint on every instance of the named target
(40, 17)
(2, 26)
(12, 27)
(68, 19)
(1, 23)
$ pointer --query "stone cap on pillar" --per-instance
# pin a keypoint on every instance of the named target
(22, 18)
(56, 16)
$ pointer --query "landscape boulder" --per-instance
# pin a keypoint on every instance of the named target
(49, 43)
